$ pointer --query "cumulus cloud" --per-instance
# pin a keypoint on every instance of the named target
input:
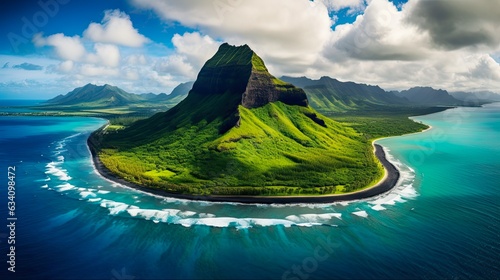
(115, 28)
(175, 65)
(67, 48)
(105, 54)
(65, 66)
(192, 50)
(28, 66)
(282, 31)
(458, 23)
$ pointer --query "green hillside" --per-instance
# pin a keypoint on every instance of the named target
(329, 95)
(96, 96)
(241, 131)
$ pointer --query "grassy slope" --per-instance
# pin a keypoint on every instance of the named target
(275, 145)
(385, 121)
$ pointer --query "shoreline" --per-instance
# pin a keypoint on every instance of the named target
(388, 182)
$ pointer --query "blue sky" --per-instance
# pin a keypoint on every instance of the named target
(48, 47)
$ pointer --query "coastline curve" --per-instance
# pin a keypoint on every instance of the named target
(387, 183)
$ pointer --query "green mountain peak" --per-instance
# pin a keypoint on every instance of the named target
(239, 70)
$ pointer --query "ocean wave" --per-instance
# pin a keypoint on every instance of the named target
(360, 213)
(54, 169)
(113, 206)
(191, 218)
(314, 218)
(404, 189)
(378, 207)
(65, 187)
(239, 223)
(87, 194)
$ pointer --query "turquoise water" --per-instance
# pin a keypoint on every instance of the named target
(441, 221)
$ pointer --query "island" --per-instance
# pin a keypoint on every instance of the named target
(243, 135)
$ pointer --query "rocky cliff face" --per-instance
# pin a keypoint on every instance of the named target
(238, 71)
(263, 88)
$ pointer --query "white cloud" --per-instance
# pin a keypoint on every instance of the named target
(281, 31)
(93, 70)
(65, 66)
(136, 59)
(67, 48)
(379, 34)
(175, 65)
(197, 49)
(115, 28)
(105, 54)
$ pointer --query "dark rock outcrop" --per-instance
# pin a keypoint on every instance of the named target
(240, 72)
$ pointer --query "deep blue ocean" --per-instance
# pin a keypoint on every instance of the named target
(441, 221)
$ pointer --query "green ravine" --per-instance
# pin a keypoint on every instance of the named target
(226, 138)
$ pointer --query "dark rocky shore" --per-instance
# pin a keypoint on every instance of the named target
(388, 183)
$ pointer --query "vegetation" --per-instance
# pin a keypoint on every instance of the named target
(227, 137)
(386, 121)
(277, 150)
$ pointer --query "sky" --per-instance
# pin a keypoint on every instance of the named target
(49, 47)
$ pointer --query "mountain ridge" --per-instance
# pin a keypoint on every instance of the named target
(331, 95)
(428, 96)
(108, 96)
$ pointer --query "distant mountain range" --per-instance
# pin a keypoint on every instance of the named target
(427, 96)
(331, 95)
(327, 95)
(96, 96)
(177, 95)
(107, 96)
(476, 97)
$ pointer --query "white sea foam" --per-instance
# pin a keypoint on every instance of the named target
(60, 158)
(113, 206)
(239, 223)
(53, 169)
(188, 218)
(186, 214)
(65, 187)
(404, 187)
(361, 213)
(378, 207)
(87, 194)
(102, 192)
(409, 191)
(313, 218)
(94, 199)
(45, 186)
